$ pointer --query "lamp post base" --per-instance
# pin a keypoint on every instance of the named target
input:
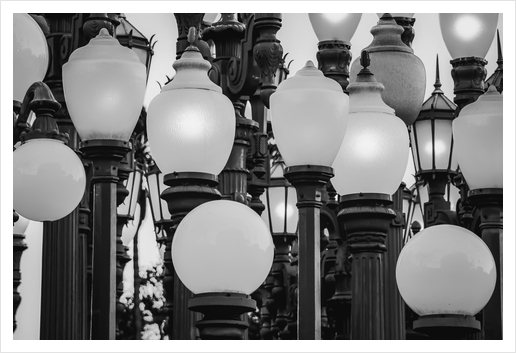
(447, 326)
(222, 312)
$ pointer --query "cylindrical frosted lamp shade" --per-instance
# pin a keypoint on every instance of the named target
(446, 269)
(104, 85)
(309, 114)
(48, 180)
(222, 246)
(478, 137)
(432, 144)
(335, 26)
(468, 34)
(30, 54)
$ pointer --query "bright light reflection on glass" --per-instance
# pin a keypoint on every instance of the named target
(468, 27)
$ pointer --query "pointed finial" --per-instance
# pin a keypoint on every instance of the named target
(500, 58)
(437, 83)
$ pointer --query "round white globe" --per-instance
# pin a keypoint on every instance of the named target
(48, 180)
(30, 54)
(222, 246)
(446, 269)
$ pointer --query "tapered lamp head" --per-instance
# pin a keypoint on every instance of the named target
(335, 26)
(222, 246)
(395, 66)
(374, 152)
(104, 85)
(48, 180)
(309, 114)
(468, 34)
(30, 54)
(192, 118)
(478, 141)
(446, 269)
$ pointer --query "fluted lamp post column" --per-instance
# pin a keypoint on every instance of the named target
(303, 107)
(104, 87)
(194, 119)
(478, 135)
(368, 169)
(222, 251)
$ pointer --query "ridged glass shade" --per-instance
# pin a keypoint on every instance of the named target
(104, 85)
(48, 180)
(446, 269)
(30, 54)
(309, 114)
(133, 185)
(468, 34)
(432, 151)
(191, 124)
(478, 137)
(374, 153)
(280, 213)
(222, 246)
(400, 71)
(335, 26)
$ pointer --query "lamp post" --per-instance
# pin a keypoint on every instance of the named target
(368, 170)
(191, 117)
(446, 274)
(434, 160)
(104, 71)
(296, 102)
(222, 251)
(477, 132)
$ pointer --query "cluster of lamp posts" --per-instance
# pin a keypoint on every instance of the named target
(191, 128)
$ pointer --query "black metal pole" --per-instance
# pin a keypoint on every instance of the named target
(309, 182)
(366, 219)
(105, 156)
(490, 203)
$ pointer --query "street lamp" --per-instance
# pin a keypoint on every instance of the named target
(104, 87)
(222, 251)
(368, 169)
(478, 132)
(194, 119)
(446, 274)
(296, 103)
(434, 160)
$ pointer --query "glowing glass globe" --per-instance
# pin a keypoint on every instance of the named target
(222, 246)
(48, 180)
(30, 54)
(104, 85)
(335, 26)
(446, 269)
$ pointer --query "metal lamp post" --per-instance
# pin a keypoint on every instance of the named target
(435, 163)
(296, 103)
(478, 134)
(368, 170)
(112, 78)
(191, 117)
